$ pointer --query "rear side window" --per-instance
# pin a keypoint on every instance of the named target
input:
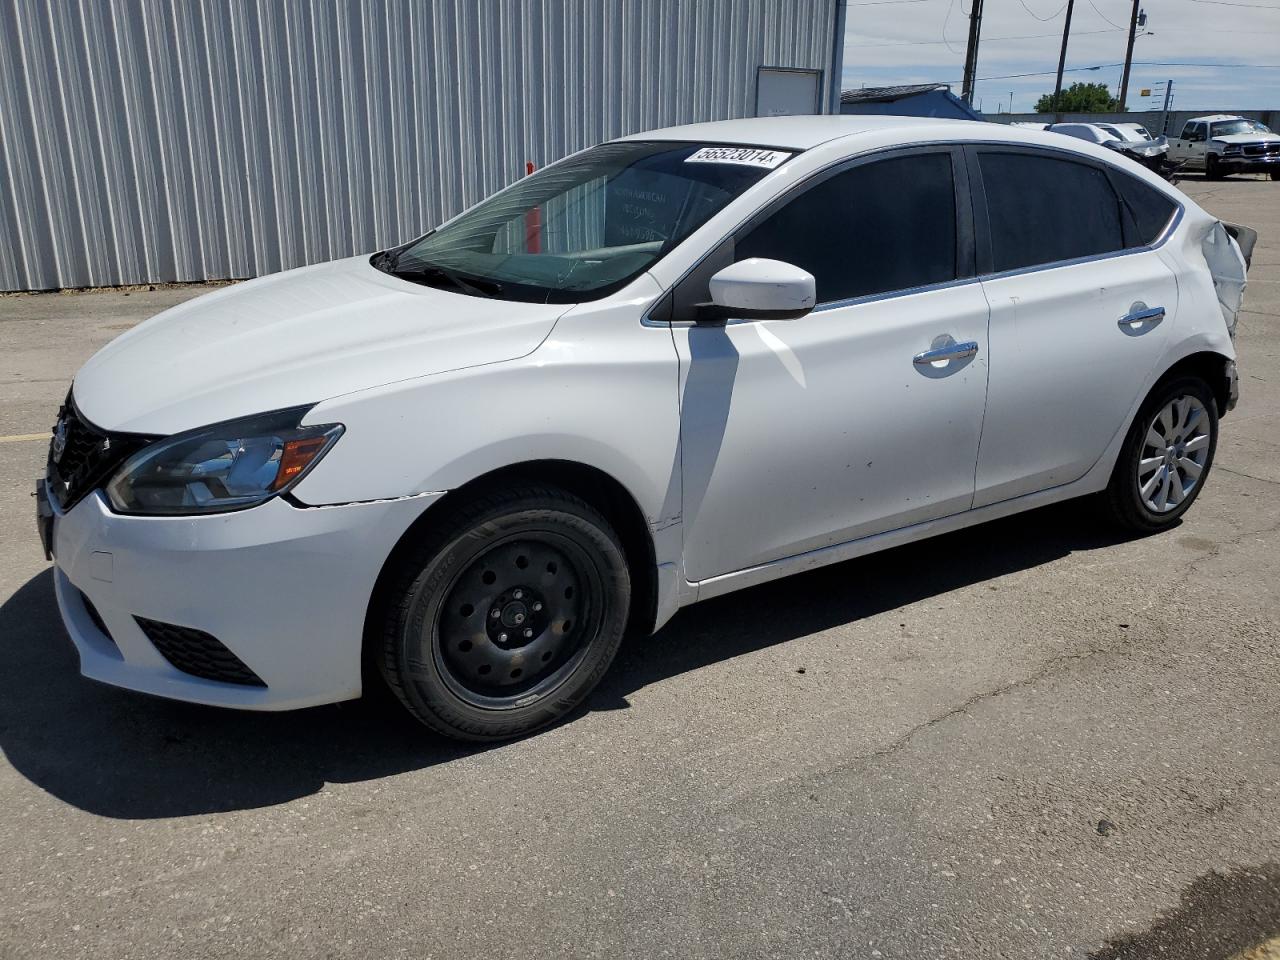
(1147, 211)
(1043, 210)
(877, 227)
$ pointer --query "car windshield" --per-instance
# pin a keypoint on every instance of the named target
(1114, 131)
(584, 227)
(1225, 128)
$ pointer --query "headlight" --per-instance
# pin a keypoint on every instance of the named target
(226, 466)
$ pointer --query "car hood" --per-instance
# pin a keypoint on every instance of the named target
(293, 338)
(1248, 138)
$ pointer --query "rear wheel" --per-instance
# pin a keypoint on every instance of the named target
(1166, 456)
(507, 616)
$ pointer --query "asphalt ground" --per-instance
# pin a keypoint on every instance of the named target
(1031, 739)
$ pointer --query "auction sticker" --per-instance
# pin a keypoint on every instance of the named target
(746, 156)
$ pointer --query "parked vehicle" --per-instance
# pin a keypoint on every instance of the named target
(1152, 154)
(1222, 144)
(1130, 129)
(662, 369)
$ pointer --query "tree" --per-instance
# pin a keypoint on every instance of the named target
(1080, 98)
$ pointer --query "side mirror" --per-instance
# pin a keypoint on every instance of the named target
(758, 289)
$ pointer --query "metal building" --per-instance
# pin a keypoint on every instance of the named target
(909, 100)
(158, 140)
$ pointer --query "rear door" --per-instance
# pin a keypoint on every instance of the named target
(1081, 304)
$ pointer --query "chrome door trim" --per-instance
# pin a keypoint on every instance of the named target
(956, 350)
(1140, 313)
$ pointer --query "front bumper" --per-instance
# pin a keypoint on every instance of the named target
(284, 588)
(1239, 164)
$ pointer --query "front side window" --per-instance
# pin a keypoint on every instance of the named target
(877, 227)
(585, 227)
(1227, 128)
(1043, 210)
(1189, 131)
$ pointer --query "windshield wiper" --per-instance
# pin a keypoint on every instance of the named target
(434, 271)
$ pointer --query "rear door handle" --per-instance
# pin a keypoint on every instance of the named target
(952, 351)
(1140, 315)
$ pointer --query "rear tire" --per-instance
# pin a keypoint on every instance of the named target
(507, 614)
(1166, 456)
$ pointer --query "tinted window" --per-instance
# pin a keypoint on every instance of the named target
(1042, 210)
(881, 226)
(1147, 210)
(1188, 131)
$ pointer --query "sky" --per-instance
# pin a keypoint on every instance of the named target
(1213, 50)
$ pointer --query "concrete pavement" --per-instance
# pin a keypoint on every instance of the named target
(1029, 739)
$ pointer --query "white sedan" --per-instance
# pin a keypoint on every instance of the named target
(664, 368)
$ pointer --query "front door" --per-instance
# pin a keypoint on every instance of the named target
(797, 435)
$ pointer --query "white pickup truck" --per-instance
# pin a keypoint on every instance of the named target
(1222, 144)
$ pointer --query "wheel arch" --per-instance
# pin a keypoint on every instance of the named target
(1210, 366)
(600, 489)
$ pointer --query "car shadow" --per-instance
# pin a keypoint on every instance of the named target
(124, 755)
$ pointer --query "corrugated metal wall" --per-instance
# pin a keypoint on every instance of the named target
(155, 140)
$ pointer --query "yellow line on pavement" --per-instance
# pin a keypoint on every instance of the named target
(19, 437)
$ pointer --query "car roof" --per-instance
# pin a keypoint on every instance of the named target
(796, 132)
(1216, 116)
(828, 132)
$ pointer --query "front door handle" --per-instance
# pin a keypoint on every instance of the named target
(1142, 316)
(951, 351)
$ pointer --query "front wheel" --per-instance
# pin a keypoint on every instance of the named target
(1212, 169)
(1166, 456)
(1274, 174)
(507, 615)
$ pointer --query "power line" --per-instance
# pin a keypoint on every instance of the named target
(1105, 66)
(1052, 16)
(1188, 63)
(926, 43)
(945, 23)
(1230, 3)
(1118, 26)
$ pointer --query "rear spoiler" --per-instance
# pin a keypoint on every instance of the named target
(1245, 239)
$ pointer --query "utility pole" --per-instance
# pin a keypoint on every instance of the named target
(1168, 99)
(1062, 63)
(1128, 57)
(971, 52)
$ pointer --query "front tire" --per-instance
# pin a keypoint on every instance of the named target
(507, 615)
(1212, 169)
(1274, 174)
(1166, 456)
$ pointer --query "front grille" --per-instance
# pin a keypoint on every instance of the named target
(198, 653)
(1261, 149)
(81, 456)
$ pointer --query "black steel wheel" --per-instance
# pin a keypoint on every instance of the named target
(507, 616)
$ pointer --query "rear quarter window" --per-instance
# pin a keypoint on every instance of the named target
(1147, 211)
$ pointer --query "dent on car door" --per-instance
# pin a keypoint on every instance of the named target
(1080, 309)
(801, 434)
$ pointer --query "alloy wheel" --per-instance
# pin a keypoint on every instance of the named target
(1174, 452)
